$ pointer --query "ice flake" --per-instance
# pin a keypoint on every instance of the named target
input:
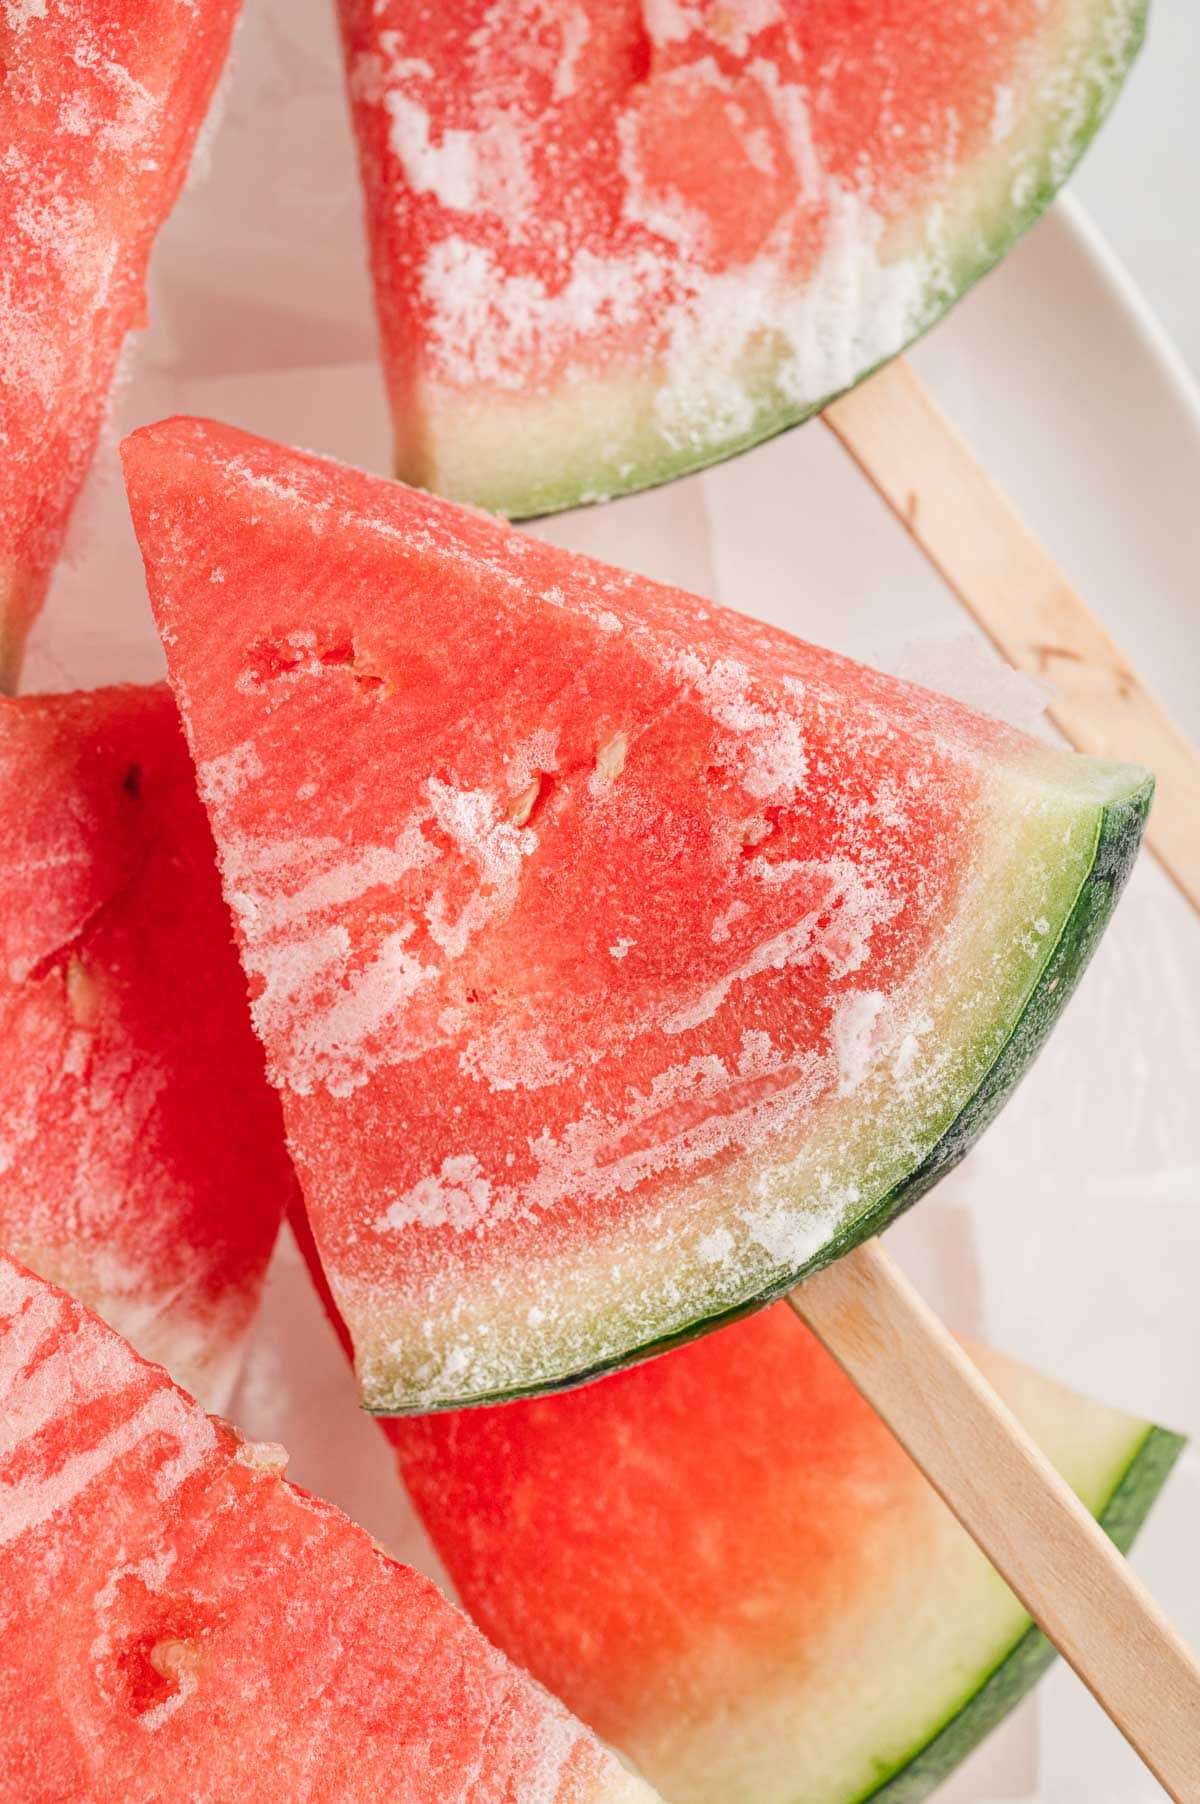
(448, 169)
(1004, 112)
(712, 1248)
(855, 910)
(457, 1197)
(574, 30)
(20, 13)
(855, 1021)
(789, 1238)
(671, 21)
(737, 25)
(320, 1014)
(767, 744)
(854, 309)
(375, 867)
(505, 1057)
(222, 778)
(138, 107)
(660, 210)
(472, 819)
(725, 920)
(908, 1052)
(486, 324)
(692, 1112)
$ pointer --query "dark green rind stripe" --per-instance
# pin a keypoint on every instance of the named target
(1118, 837)
(990, 251)
(1020, 1669)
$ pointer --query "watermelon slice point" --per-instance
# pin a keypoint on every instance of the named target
(177, 1621)
(619, 959)
(142, 1163)
(100, 106)
(614, 243)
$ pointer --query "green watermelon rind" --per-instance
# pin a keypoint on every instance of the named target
(1119, 828)
(995, 238)
(1022, 1665)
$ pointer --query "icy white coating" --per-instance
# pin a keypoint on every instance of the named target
(153, 1567)
(486, 326)
(854, 1023)
(310, 1000)
(728, 292)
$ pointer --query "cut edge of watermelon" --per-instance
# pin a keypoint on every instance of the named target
(1118, 834)
(601, 440)
(204, 1351)
(1017, 1671)
(22, 592)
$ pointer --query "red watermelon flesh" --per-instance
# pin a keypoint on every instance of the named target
(100, 103)
(619, 958)
(177, 1622)
(725, 1563)
(142, 1163)
(615, 240)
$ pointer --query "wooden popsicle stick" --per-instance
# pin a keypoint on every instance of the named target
(1010, 1499)
(1011, 587)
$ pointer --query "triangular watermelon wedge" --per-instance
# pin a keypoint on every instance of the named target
(100, 104)
(620, 959)
(726, 1565)
(615, 241)
(799, 1618)
(142, 1163)
(178, 1623)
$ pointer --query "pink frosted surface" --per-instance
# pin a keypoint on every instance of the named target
(178, 1622)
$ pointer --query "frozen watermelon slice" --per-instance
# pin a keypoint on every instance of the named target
(620, 959)
(614, 241)
(797, 1617)
(177, 1622)
(100, 103)
(141, 1151)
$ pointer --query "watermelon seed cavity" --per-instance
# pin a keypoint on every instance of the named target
(521, 807)
(83, 993)
(270, 1457)
(610, 759)
(176, 1660)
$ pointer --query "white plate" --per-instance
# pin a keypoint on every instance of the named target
(1072, 1235)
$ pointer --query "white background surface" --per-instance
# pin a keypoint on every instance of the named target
(1072, 1236)
(1141, 179)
